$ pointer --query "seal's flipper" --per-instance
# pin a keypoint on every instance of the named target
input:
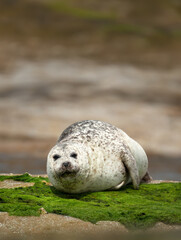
(147, 178)
(118, 186)
(130, 163)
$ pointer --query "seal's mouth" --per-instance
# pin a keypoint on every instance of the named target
(68, 174)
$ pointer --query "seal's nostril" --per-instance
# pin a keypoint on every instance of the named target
(66, 164)
(56, 156)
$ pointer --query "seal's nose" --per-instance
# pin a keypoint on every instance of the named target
(66, 164)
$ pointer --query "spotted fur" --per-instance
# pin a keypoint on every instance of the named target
(106, 158)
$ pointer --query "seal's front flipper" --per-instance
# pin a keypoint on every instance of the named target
(118, 186)
(147, 178)
(130, 163)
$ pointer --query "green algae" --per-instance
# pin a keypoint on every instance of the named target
(84, 13)
(134, 208)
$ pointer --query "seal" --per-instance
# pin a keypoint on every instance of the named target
(92, 156)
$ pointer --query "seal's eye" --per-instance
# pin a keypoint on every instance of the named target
(56, 156)
(74, 155)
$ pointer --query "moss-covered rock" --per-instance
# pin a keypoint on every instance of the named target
(134, 208)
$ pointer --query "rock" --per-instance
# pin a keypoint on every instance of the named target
(161, 227)
(13, 184)
(53, 223)
(111, 226)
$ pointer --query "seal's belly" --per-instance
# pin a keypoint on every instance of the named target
(105, 172)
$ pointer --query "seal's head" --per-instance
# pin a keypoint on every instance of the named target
(67, 165)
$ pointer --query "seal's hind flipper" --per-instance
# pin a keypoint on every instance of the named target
(130, 163)
(147, 178)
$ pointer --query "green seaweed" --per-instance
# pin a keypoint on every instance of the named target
(64, 7)
(133, 208)
(110, 21)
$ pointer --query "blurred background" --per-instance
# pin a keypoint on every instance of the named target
(117, 61)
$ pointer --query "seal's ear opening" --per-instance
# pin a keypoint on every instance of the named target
(73, 155)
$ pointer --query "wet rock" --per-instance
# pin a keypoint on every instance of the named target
(13, 184)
